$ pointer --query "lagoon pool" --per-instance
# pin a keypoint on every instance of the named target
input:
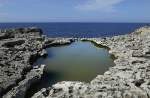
(79, 61)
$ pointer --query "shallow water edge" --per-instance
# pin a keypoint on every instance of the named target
(128, 79)
(72, 63)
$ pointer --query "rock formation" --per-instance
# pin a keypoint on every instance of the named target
(19, 48)
(130, 78)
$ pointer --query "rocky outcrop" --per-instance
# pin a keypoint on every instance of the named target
(19, 48)
(130, 78)
(58, 41)
(20, 90)
(16, 50)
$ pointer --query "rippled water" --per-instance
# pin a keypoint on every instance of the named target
(80, 61)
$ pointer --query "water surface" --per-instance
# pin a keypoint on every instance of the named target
(79, 29)
(80, 61)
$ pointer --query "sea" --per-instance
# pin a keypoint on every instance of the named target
(79, 30)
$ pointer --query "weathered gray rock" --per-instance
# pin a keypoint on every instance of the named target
(130, 78)
(16, 50)
(58, 41)
(43, 53)
(19, 91)
(19, 48)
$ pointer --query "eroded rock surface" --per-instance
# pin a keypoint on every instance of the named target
(130, 78)
(16, 49)
(20, 90)
(19, 48)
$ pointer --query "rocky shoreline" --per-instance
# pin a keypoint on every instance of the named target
(19, 48)
(130, 78)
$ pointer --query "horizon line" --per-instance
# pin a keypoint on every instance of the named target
(69, 22)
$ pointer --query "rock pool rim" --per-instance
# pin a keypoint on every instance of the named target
(73, 41)
(113, 57)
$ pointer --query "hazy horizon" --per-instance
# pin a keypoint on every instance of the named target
(70, 22)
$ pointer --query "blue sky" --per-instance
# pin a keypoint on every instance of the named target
(74, 10)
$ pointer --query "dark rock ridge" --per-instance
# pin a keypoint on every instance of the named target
(130, 78)
(19, 48)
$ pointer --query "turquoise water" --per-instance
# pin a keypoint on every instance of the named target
(79, 61)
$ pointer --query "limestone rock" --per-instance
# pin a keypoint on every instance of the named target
(128, 79)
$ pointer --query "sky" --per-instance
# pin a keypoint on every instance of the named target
(74, 10)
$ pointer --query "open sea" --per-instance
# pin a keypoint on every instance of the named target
(79, 29)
